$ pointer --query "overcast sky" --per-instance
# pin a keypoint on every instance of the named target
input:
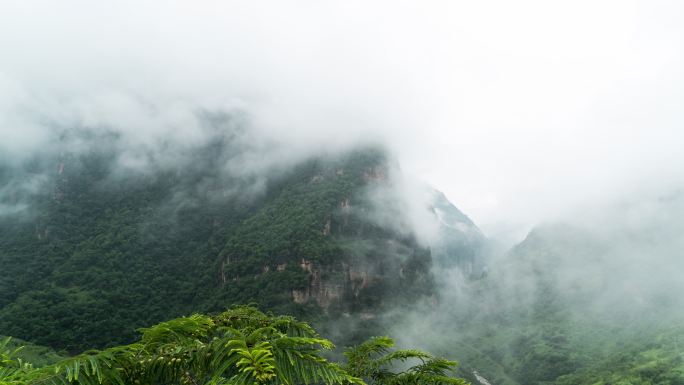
(520, 111)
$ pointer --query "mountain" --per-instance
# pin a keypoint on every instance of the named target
(459, 242)
(91, 250)
(95, 243)
(583, 303)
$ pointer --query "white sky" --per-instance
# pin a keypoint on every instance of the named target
(519, 111)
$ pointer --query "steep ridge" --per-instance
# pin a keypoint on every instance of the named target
(91, 251)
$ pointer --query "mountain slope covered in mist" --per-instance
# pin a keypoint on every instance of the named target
(93, 252)
(597, 304)
(94, 245)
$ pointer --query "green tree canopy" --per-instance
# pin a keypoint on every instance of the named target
(242, 346)
(374, 361)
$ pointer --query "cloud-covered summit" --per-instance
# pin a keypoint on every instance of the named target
(518, 112)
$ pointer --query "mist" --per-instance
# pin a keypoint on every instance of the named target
(519, 113)
(555, 127)
(564, 301)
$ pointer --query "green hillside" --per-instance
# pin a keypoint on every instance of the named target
(91, 251)
(563, 308)
(100, 252)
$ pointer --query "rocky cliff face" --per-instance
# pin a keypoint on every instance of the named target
(459, 242)
(376, 261)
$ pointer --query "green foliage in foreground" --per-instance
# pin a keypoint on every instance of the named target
(374, 360)
(12, 368)
(242, 346)
(26, 351)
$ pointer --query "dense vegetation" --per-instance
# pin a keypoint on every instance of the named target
(100, 252)
(96, 252)
(238, 347)
(547, 313)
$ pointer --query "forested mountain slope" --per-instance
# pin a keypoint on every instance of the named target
(90, 251)
(569, 305)
(92, 248)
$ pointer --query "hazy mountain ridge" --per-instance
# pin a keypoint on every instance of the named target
(87, 245)
(574, 303)
(99, 247)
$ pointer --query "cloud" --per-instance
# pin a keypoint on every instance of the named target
(518, 112)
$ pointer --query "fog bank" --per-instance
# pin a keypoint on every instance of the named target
(518, 112)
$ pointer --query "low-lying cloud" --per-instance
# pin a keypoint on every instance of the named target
(518, 112)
